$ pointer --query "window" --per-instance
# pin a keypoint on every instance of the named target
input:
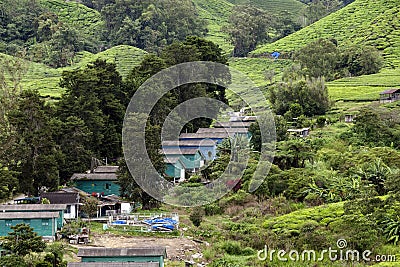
(45, 223)
(9, 223)
(107, 186)
(68, 209)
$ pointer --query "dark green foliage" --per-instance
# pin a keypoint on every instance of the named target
(310, 97)
(8, 183)
(36, 157)
(196, 216)
(319, 59)
(96, 96)
(322, 58)
(131, 190)
(248, 27)
(360, 60)
(12, 261)
(90, 206)
(377, 127)
(150, 25)
(23, 240)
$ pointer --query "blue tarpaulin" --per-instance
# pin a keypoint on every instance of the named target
(167, 223)
(275, 55)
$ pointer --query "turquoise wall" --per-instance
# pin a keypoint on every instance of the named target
(59, 220)
(158, 259)
(43, 227)
(98, 186)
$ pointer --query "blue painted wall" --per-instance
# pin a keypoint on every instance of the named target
(107, 187)
(158, 259)
(43, 227)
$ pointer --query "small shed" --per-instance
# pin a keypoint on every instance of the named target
(390, 95)
(43, 223)
(38, 208)
(191, 158)
(349, 118)
(175, 168)
(101, 181)
(304, 132)
(70, 199)
(114, 255)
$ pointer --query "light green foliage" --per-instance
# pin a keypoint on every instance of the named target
(275, 6)
(216, 13)
(369, 22)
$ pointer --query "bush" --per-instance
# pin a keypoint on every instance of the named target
(197, 216)
(213, 209)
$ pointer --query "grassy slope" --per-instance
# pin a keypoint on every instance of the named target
(368, 22)
(46, 79)
(83, 19)
(216, 13)
(274, 6)
(371, 22)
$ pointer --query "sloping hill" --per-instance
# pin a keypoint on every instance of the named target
(370, 22)
(274, 6)
(85, 20)
(46, 79)
(216, 13)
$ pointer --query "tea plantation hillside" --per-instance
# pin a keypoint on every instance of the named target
(274, 6)
(83, 19)
(371, 22)
(46, 79)
(216, 13)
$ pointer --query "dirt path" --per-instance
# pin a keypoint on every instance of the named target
(177, 248)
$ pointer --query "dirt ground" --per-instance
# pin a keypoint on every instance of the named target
(177, 248)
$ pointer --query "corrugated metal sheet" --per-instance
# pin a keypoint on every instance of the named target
(106, 169)
(94, 176)
(120, 252)
(33, 207)
(113, 264)
(28, 215)
(183, 143)
(222, 130)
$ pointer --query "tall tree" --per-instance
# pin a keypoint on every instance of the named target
(23, 240)
(248, 27)
(36, 157)
(96, 95)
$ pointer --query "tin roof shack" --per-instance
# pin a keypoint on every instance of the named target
(191, 158)
(390, 95)
(38, 208)
(71, 199)
(218, 137)
(207, 147)
(100, 181)
(175, 169)
(43, 223)
(304, 132)
(233, 124)
(113, 264)
(114, 255)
